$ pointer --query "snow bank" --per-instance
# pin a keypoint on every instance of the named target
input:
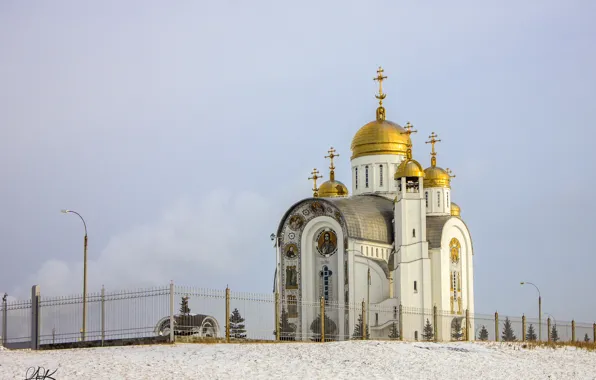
(346, 360)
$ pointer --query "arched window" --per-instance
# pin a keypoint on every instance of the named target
(448, 199)
(426, 198)
(439, 199)
(356, 177)
(377, 251)
(414, 233)
(366, 176)
(380, 175)
(326, 281)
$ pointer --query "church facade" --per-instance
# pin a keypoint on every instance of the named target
(398, 242)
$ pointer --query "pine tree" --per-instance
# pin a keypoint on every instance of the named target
(358, 329)
(394, 331)
(586, 338)
(184, 309)
(237, 329)
(554, 335)
(508, 335)
(531, 334)
(428, 332)
(483, 335)
(330, 329)
(287, 330)
(456, 331)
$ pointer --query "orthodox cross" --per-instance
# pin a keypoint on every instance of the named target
(331, 156)
(326, 279)
(315, 176)
(380, 78)
(433, 140)
(408, 132)
(450, 173)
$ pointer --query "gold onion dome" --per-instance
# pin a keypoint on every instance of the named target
(455, 210)
(409, 167)
(380, 136)
(332, 188)
(435, 176)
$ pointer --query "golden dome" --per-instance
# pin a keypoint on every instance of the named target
(333, 189)
(435, 176)
(409, 168)
(379, 137)
(455, 210)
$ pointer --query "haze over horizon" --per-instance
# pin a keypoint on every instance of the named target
(183, 131)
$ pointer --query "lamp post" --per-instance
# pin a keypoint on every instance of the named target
(539, 309)
(83, 330)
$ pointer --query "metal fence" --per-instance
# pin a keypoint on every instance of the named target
(225, 315)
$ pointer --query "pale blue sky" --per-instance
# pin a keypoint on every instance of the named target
(183, 130)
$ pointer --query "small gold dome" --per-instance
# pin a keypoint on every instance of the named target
(380, 137)
(409, 168)
(455, 210)
(435, 176)
(333, 189)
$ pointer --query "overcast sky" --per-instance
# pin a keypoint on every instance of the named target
(183, 130)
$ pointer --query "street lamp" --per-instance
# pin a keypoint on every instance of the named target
(539, 309)
(83, 330)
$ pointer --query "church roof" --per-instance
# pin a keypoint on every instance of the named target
(434, 230)
(368, 217)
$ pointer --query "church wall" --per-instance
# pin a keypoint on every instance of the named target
(389, 162)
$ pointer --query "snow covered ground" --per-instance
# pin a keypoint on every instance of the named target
(341, 360)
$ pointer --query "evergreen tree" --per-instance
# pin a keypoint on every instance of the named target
(237, 329)
(184, 309)
(531, 334)
(428, 332)
(330, 329)
(554, 335)
(483, 335)
(586, 338)
(358, 329)
(456, 331)
(394, 331)
(287, 330)
(508, 335)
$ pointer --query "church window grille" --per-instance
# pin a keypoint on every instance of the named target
(394, 312)
(356, 176)
(376, 319)
(426, 198)
(415, 286)
(448, 199)
(380, 175)
(414, 233)
(366, 176)
(326, 282)
(439, 199)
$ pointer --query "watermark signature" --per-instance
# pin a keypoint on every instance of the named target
(39, 373)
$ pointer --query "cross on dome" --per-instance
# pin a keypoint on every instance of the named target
(433, 140)
(380, 77)
(331, 156)
(408, 132)
(450, 172)
(315, 176)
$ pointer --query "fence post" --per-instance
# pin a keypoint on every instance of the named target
(594, 333)
(468, 325)
(103, 314)
(435, 324)
(573, 330)
(322, 319)
(5, 322)
(401, 322)
(496, 326)
(277, 324)
(548, 329)
(35, 295)
(363, 320)
(227, 314)
(172, 322)
(523, 327)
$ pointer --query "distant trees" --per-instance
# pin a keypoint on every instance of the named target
(358, 329)
(394, 331)
(456, 332)
(554, 334)
(531, 334)
(237, 327)
(428, 333)
(483, 335)
(586, 338)
(184, 309)
(507, 334)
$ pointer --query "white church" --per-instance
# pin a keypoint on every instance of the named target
(397, 239)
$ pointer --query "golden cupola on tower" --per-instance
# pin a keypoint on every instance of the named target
(455, 210)
(332, 188)
(380, 136)
(409, 167)
(435, 176)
